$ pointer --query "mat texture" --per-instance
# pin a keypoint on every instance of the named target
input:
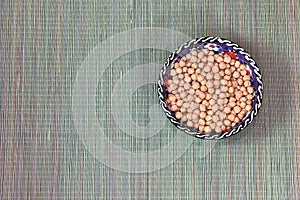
(80, 117)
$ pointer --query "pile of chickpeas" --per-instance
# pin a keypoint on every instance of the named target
(209, 92)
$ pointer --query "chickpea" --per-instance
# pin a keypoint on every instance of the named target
(181, 63)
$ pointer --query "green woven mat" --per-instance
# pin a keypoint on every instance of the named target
(79, 111)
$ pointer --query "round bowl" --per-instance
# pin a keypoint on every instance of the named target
(216, 47)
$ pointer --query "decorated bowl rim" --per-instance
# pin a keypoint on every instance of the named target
(257, 80)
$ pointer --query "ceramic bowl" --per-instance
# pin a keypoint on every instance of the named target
(217, 45)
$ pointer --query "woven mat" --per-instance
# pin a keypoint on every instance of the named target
(80, 117)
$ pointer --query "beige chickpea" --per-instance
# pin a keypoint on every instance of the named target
(197, 100)
(182, 110)
(227, 59)
(203, 88)
(216, 83)
(205, 51)
(196, 111)
(222, 73)
(191, 91)
(184, 118)
(195, 85)
(178, 70)
(206, 69)
(191, 70)
(174, 108)
(210, 112)
(240, 82)
(187, 79)
(210, 58)
(227, 71)
(222, 116)
(179, 103)
(200, 78)
(222, 95)
(210, 91)
(238, 94)
(189, 98)
(201, 128)
(236, 74)
(248, 107)
(204, 59)
(208, 118)
(231, 90)
(190, 124)
(201, 65)
(200, 55)
(194, 106)
(209, 84)
(246, 78)
(202, 95)
(247, 83)
(194, 52)
(220, 102)
(181, 63)
(231, 104)
(178, 115)
(217, 91)
(215, 69)
(242, 67)
(173, 72)
(249, 97)
(183, 95)
(231, 117)
(180, 76)
(236, 120)
(237, 64)
(214, 107)
(202, 107)
(227, 110)
(232, 69)
(188, 56)
(217, 76)
(202, 115)
(218, 129)
(209, 76)
(223, 82)
(211, 53)
(243, 99)
(227, 77)
(194, 65)
(208, 96)
(185, 105)
(187, 86)
(207, 129)
(227, 122)
(250, 90)
(237, 109)
(194, 77)
(224, 88)
(219, 59)
(222, 65)
(243, 72)
(201, 122)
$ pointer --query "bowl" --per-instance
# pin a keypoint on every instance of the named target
(210, 88)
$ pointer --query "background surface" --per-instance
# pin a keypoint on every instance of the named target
(43, 44)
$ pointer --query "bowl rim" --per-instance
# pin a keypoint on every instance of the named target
(248, 117)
